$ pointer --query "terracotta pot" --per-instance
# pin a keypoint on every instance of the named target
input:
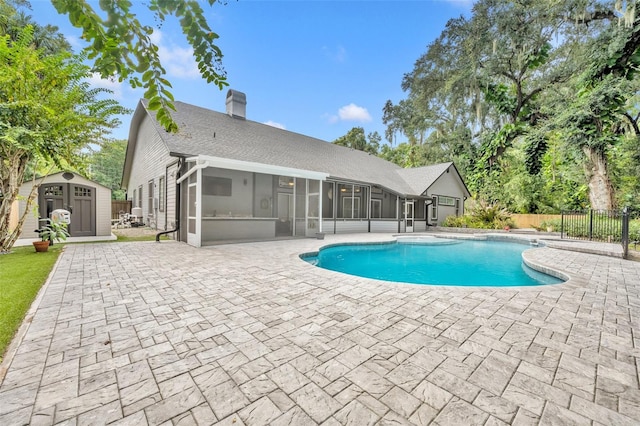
(41, 246)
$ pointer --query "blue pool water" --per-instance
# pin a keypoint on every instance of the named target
(444, 262)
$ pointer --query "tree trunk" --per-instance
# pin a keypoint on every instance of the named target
(600, 187)
(13, 174)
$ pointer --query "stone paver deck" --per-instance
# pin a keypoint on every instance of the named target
(163, 333)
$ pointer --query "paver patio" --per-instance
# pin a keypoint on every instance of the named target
(164, 333)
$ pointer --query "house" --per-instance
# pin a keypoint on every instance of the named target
(88, 202)
(223, 177)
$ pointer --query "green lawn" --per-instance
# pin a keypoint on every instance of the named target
(126, 239)
(22, 273)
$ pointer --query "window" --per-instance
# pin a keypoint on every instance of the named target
(349, 201)
(79, 191)
(218, 186)
(446, 201)
(150, 198)
(53, 190)
(434, 208)
(161, 192)
(351, 207)
(135, 197)
(139, 200)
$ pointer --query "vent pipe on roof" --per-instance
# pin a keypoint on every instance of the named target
(237, 104)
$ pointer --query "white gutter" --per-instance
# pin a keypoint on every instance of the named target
(249, 166)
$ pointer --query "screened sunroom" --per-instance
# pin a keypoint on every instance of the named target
(231, 200)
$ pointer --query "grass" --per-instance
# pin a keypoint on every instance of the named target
(126, 238)
(22, 273)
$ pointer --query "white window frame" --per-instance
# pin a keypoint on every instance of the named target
(434, 207)
(355, 206)
(444, 200)
(151, 187)
(162, 188)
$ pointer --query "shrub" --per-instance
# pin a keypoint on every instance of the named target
(554, 224)
(483, 216)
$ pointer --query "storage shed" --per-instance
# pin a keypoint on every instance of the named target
(88, 201)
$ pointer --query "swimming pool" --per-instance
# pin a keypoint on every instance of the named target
(434, 261)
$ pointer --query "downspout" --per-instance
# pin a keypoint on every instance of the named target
(177, 212)
(428, 202)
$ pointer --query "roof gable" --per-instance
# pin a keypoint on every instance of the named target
(420, 179)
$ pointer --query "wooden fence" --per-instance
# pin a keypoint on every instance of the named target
(118, 206)
(532, 220)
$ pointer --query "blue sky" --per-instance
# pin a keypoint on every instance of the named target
(318, 68)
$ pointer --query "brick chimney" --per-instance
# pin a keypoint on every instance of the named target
(237, 104)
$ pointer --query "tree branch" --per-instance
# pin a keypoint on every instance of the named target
(634, 123)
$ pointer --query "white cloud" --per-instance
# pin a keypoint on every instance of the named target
(177, 61)
(111, 84)
(274, 124)
(339, 54)
(76, 43)
(353, 112)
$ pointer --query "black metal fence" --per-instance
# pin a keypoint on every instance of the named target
(609, 226)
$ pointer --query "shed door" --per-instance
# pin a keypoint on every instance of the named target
(82, 205)
(80, 200)
(52, 196)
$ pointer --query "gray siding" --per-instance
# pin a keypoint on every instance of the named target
(347, 226)
(384, 226)
(447, 185)
(419, 226)
(150, 159)
(237, 229)
(170, 209)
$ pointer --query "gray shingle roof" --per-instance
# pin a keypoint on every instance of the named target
(206, 132)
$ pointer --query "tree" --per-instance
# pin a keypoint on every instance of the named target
(46, 37)
(48, 113)
(499, 88)
(120, 46)
(593, 112)
(355, 139)
(105, 166)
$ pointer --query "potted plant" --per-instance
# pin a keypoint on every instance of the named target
(52, 231)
